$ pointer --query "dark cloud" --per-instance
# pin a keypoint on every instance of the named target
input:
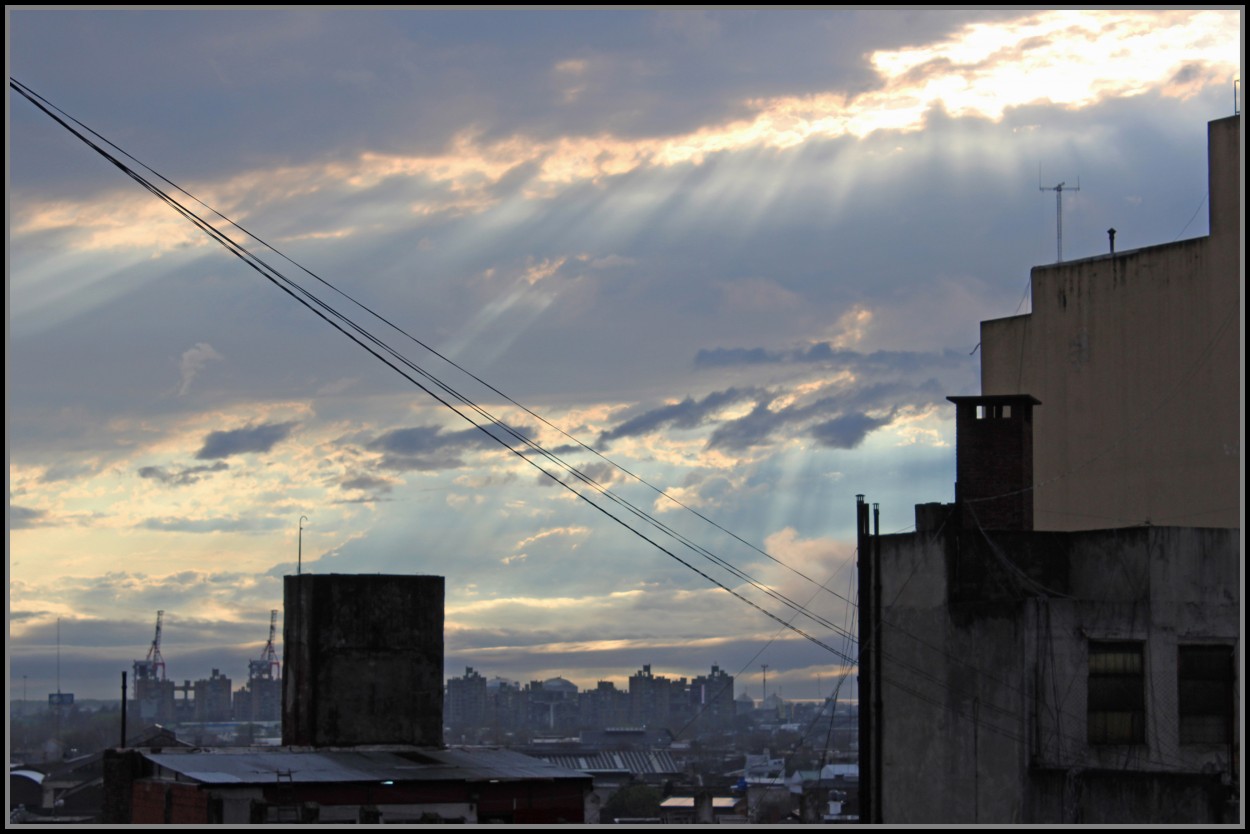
(824, 352)
(426, 448)
(23, 517)
(847, 431)
(261, 438)
(368, 483)
(722, 357)
(842, 417)
(687, 414)
(601, 472)
(173, 524)
(66, 470)
(750, 430)
(180, 476)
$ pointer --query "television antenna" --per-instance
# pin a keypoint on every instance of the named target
(1058, 189)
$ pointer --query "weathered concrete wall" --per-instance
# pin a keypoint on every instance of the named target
(1136, 360)
(953, 711)
(363, 660)
(985, 642)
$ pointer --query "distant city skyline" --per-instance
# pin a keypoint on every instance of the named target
(742, 253)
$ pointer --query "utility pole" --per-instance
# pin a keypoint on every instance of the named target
(123, 744)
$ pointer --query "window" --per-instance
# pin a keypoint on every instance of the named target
(1117, 693)
(1204, 680)
(993, 412)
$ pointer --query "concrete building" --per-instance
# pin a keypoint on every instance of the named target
(1136, 359)
(603, 706)
(379, 784)
(363, 659)
(657, 701)
(712, 699)
(1050, 677)
(1061, 645)
(362, 732)
(213, 701)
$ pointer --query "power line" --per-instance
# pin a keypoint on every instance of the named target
(490, 425)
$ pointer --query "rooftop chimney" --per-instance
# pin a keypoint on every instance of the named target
(994, 461)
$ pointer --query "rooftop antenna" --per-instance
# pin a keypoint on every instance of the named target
(299, 557)
(1058, 189)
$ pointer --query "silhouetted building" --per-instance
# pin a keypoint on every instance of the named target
(213, 700)
(712, 700)
(363, 679)
(363, 660)
(657, 701)
(465, 704)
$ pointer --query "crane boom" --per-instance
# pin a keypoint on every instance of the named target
(268, 666)
(156, 663)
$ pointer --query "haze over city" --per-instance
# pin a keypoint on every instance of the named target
(741, 253)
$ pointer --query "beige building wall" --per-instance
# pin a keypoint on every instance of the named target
(1136, 359)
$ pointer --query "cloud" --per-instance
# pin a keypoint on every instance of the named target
(180, 477)
(686, 414)
(368, 483)
(23, 517)
(427, 448)
(827, 354)
(536, 272)
(228, 524)
(851, 423)
(573, 531)
(192, 362)
(262, 438)
(847, 431)
(1068, 59)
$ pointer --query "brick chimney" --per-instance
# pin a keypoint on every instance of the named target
(994, 461)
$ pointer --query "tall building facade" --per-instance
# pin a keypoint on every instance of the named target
(1061, 644)
(1136, 359)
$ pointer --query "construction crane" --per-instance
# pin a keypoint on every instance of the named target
(153, 667)
(268, 667)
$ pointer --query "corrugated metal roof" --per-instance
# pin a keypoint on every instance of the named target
(637, 762)
(233, 766)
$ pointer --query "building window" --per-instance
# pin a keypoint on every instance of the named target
(1204, 680)
(1117, 693)
(993, 412)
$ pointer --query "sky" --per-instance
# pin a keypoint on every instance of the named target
(740, 254)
